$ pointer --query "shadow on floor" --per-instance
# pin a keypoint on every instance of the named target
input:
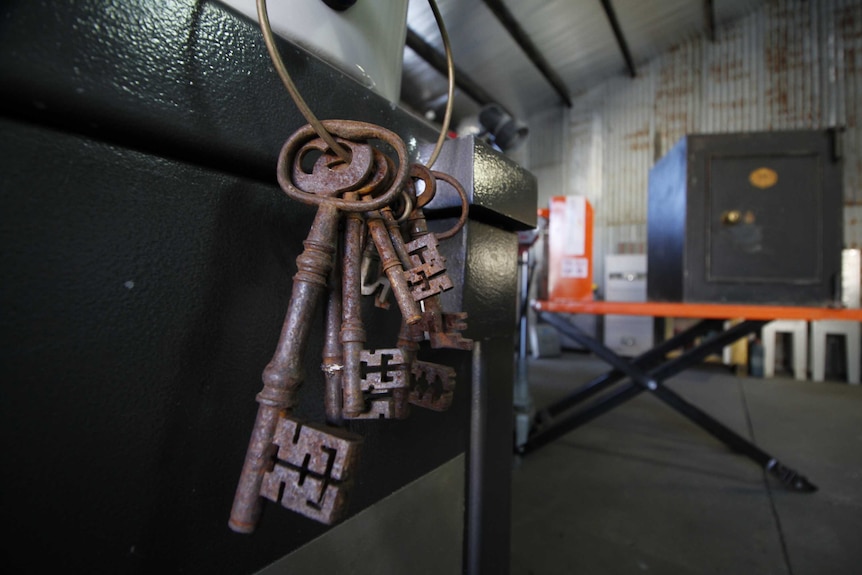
(642, 490)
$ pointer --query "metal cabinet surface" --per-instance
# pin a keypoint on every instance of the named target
(147, 263)
(749, 217)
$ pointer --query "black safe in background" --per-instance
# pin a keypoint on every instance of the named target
(747, 218)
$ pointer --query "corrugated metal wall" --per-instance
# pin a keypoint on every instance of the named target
(792, 64)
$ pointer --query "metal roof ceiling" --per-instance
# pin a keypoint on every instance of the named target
(576, 39)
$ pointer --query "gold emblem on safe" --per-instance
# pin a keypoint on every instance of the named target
(763, 178)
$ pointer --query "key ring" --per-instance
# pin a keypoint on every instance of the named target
(420, 172)
(351, 131)
(407, 199)
(430, 177)
(321, 128)
(465, 205)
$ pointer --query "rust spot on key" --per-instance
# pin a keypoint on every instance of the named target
(313, 471)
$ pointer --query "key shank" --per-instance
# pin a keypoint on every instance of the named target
(283, 375)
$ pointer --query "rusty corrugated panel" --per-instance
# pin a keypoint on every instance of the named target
(790, 64)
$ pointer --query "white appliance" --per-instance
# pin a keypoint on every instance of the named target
(365, 41)
(625, 280)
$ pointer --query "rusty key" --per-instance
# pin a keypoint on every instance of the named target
(444, 329)
(363, 396)
(329, 178)
(353, 335)
(374, 383)
(424, 267)
(389, 257)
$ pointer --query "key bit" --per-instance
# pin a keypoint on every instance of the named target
(384, 369)
(329, 452)
(384, 380)
(432, 385)
(444, 330)
(382, 407)
(385, 383)
(428, 275)
(305, 494)
(312, 474)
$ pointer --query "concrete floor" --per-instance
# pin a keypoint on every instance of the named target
(643, 490)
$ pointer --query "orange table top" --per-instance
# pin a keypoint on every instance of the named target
(699, 310)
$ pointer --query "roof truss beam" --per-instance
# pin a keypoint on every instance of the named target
(523, 40)
(437, 60)
(618, 34)
(709, 16)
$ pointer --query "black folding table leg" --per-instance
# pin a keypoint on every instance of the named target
(642, 380)
(652, 381)
(604, 381)
(696, 355)
(787, 476)
(609, 401)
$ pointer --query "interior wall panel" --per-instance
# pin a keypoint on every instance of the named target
(791, 64)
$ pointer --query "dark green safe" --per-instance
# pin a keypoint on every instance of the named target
(747, 218)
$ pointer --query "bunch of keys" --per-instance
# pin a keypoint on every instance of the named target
(309, 468)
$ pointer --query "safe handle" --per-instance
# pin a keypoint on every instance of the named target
(731, 217)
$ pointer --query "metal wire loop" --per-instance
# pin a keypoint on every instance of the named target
(408, 207)
(348, 130)
(465, 205)
(305, 110)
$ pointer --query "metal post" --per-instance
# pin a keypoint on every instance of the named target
(523, 401)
